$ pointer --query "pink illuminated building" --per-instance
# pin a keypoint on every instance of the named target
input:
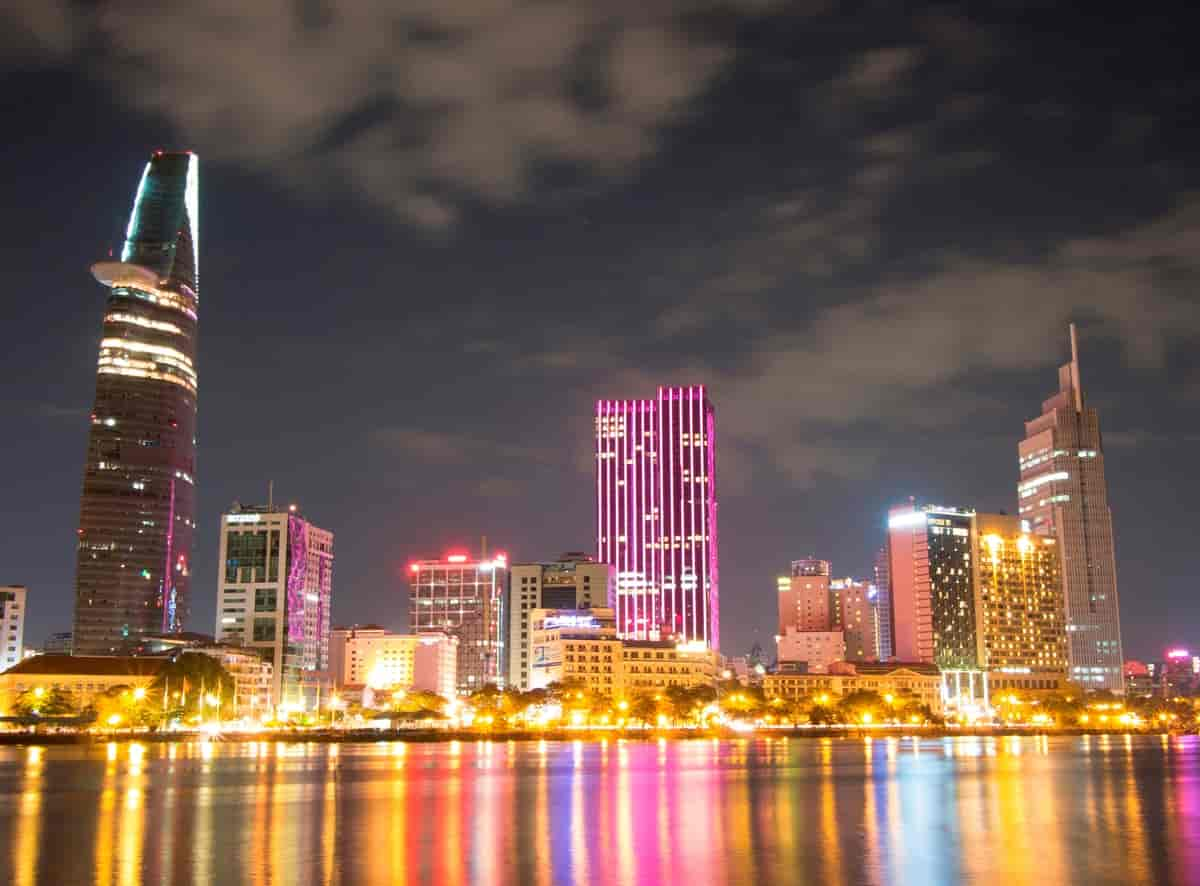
(656, 514)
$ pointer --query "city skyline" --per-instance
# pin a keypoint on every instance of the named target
(870, 266)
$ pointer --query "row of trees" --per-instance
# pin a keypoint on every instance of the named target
(190, 688)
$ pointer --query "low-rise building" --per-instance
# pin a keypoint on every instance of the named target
(921, 680)
(251, 678)
(654, 665)
(84, 677)
(1030, 683)
(370, 656)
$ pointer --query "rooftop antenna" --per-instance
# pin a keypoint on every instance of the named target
(270, 495)
(1075, 370)
(483, 547)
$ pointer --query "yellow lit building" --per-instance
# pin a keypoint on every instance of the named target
(575, 645)
(1019, 600)
(923, 681)
(654, 665)
(84, 677)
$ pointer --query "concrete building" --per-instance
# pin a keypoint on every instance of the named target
(885, 638)
(919, 679)
(815, 649)
(12, 625)
(370, 656)
(932, 586)
(252, 678)
(465, 598)
(804, 597)
(855, 615)
(652, 666)
(274, 591)
(84, 677)
(574, 581)
(656, 514)
(1063, 494)
(576, 645)
(1019, 598)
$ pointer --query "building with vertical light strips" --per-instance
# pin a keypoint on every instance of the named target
(656, 514)
(1063, 494)
(134, 546)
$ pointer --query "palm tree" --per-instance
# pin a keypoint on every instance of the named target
(192, 684)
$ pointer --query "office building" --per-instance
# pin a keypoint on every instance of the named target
(1063, 494)
(932, 588)
(465, 598)
(804, 598)
(1019, 598)
(134, 545)
(12, 625)
(882, 599)
(656, 514)
(574, 581)
(274, 591)
(815, 650)
(371, 656)
(854, 614)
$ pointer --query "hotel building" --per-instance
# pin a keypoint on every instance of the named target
(656, 514)
(1063, 494)
(134, 543)
(574, 581)
(464, 598)
(274, 590)
(855, 616)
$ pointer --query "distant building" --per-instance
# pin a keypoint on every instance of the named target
(652, 666)
(933, 592)
(921, 680)
(465, 598)
(817, 649)
(371, 656)
(84, 677)
(12, 625)
(137, 507)
(804, 602)
(1064, 494)
(60, 643)
(252, 678)
(884, 634)
(656, 513)
(856, 616)
(574, 581)
(1020, 600)
(274, 591)
(575, 645)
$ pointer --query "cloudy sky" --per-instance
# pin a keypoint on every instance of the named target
(433, 232)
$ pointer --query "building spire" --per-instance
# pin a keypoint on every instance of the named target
(1078, 390)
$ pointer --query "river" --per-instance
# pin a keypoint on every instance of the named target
(1011, 810)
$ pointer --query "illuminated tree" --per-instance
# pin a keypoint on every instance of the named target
(192, 685)
(40, 702)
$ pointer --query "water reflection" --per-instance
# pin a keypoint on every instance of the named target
(880, 810)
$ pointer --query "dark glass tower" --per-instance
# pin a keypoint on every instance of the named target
(138, 505)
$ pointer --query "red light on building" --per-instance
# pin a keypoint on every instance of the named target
(414, 567)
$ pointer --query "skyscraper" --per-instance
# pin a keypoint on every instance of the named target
(137, 509)
(464, 597)
(656, 514)
(1063, 493)
(855, 617)
(274, 592)
(804, 598)
(933, 591)
(882, 599)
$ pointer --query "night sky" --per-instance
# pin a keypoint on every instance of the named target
(433, 232)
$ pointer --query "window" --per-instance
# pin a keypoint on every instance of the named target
(264, 600)
(264, 629)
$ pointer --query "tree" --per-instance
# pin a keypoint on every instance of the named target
(644, 709)
(862, 706)
(41, 702)
(192, 685)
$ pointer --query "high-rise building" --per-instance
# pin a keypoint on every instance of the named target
(134, 548)
(464, 598)
(855, 617)
(12, 625)
(1063, 494)
(1019, 598)
(656, 514)
(574, 581)
(882, 599)
(933, 593)
(274, 591)
(804, 597)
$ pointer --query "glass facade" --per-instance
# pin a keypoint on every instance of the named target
(137, 507)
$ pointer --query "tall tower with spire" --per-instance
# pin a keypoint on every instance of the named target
(1063, 494)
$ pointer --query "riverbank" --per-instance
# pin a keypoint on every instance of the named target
(419, 736)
